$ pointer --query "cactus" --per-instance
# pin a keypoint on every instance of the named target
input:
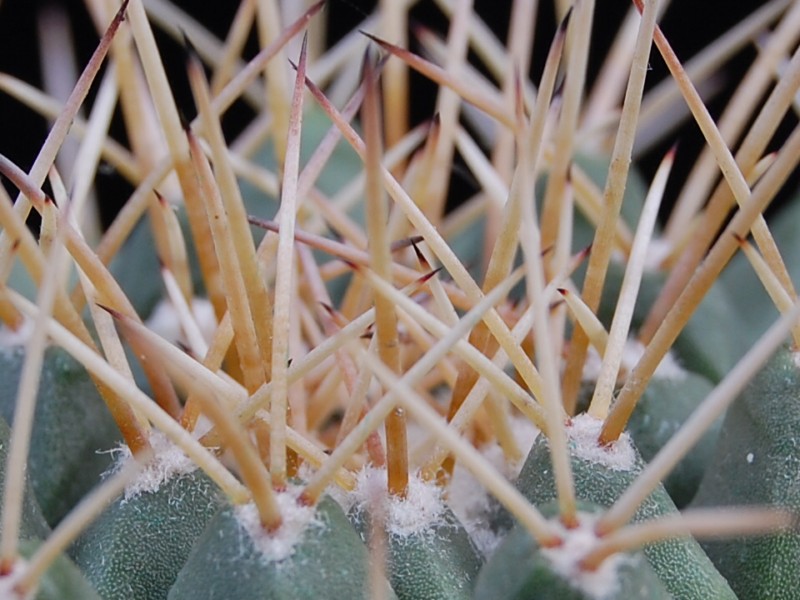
(301, 362)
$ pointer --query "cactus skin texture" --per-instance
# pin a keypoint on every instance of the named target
(662, 409)
(329, 562)
(439, 563)
(63, 581)
(138, 546)
(683, 567)
(186, 540)
(757, 461)
(519, 571)
(71, 423)
(33, 524)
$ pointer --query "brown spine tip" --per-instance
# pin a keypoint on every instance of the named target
(6, 567)
(405, 243)
(552, 542)
(562, 28)
(352, 265)
(113, 312)
(121, 13)
(305, 499)
(428, 276)
(375, 39)
(570, 521)
(420, 257)
(190, 52)
(673, 150)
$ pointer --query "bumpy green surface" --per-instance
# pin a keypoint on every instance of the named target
(754, 310)
(137, 546)
(136, 264)
(33, 524)
(439, 563)
(681, 564)
(757, 461)
(709, 345)
(330, 562)
(71, 429)
(660, 412)
(518, 570)
(62, 581)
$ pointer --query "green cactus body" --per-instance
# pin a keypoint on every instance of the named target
(138, 545)
(328, 562)
(681, 564)
(521, 570)
(707, 345)
(757, 461)
(662, 409)
(138, 255)
(754, 311)
(438, 563)
(62, 581)
(33, 523)
(670, 398)
(386, 230)
(71, 429)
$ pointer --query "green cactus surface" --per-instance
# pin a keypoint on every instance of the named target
(399, 300)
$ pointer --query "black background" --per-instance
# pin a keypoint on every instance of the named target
(689, 24)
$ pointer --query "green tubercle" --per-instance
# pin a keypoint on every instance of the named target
(71, 423)
(522, 570)
(757, 461)
(234, 561)
(601, 475)
(137, 546)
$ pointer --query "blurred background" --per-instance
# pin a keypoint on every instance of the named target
(689, 24)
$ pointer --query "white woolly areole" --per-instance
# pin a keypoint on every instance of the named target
(669, 367)
(578, 542)
(421, 509)
(168, 461)
(278, 545)
(10, 339)
(164, 320)
(583, 433)
(470, 501)
(11, 579)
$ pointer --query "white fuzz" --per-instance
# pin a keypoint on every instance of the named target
(470, 501)
(168, 461)
(418, 512)
(583, 434)
(164, 321)
(278, 545)
(10, 580)
(11, 340)
(668, 368)
(566, 558)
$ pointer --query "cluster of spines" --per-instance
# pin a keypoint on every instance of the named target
(263, 325)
